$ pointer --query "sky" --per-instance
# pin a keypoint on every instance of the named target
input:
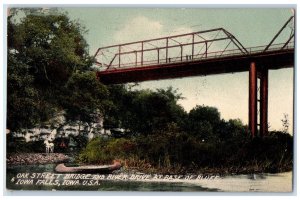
(227, 92)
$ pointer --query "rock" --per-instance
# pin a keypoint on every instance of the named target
(35, 158)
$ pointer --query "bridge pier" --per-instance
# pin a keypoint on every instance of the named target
(258, 107)
(263, 101)
(253, 99)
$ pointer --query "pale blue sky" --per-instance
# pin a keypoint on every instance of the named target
(229, 93)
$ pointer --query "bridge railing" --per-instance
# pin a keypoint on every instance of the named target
(274, 47)
(201, 56)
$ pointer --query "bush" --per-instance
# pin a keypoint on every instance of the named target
(100, 151)
(95, 152)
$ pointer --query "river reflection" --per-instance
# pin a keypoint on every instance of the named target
(281, 182)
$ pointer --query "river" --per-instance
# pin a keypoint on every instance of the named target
(280, 182)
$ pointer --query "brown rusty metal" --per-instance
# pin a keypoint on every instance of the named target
(206, 49)
(164, 44)
(161, 38)
(142, 54)
(253, 99)
(236, 42)
(177, 45)
(167, 49)
(135, 58)
(181, 52)
(119, 56)
(264, 102)
(193, 45)
(278, 33)
(288, 41)
(216, 65)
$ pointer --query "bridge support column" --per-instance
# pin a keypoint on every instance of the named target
(253, 99)
(263, 101)
(256, 103)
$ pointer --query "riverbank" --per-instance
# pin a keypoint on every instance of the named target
(36, 158)
(143, 167)
(223, 170)
(216, 170)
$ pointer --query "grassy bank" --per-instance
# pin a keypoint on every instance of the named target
(180, 153)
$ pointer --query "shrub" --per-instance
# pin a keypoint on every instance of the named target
(101, 150)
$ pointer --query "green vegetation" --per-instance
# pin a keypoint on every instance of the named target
(164, 138)
(143, 111)
(102, 151)
(49, 71)
(225, 146)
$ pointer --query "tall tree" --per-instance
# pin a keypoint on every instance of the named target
(202, 121)
(86, 99)
(44, 49)
(145, 111)
(21, 96)
(52, 45)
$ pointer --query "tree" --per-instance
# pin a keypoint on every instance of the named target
(144, 111)
(22, 101)
(202, 121)
(44, 50)
(51, 44)
(87, 98)
(119, 113)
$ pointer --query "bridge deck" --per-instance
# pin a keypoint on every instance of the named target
(272, 59)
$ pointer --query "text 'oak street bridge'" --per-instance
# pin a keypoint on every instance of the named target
(208, 52)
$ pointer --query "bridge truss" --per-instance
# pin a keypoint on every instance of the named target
(177, 48)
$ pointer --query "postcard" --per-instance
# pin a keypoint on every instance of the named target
(150, 99)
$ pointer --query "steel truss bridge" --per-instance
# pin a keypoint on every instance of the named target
(208, 52)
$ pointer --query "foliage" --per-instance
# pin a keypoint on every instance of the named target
(285, 123)
(51, 44)
(202, 121)
(86, 95)
(205, 113)
(144, 111)
(48, 69)
(179, 150)
(20, 146)
(100, 150)
(172, 148)
(94, 152)
(22, 97)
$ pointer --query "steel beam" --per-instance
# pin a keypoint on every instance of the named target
(172, 46)
(167, 46)
(253, 99)
(161, 38)
(193, 44)
(119, 56)
(264, 102)
(142, 54)
(274, 38)
(220, 65)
